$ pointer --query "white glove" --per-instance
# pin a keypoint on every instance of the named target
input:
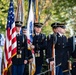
(47, 60)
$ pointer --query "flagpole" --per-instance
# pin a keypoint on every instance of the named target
(30, 66)
(37, 11)
(19, 11)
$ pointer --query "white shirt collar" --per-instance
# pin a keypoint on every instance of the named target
(60, 34)
(17, 33)
(37, 33)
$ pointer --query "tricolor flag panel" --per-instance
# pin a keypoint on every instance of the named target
(10, 40)
(30, 29)
(30, 25)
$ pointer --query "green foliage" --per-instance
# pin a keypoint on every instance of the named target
(59, 10)
(3, 14)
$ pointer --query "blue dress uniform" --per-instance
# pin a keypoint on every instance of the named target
(39, 41)
(22, 54)
(72, 49)
(24, 31)
(24, 28)
(60, 53)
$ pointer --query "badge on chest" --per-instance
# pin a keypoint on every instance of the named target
(37, 54)
(19, 56)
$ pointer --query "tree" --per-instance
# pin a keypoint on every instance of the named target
(49, 11)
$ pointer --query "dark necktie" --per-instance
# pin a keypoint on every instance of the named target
(17, 34)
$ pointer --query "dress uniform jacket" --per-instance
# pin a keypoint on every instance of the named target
(60, 50)
(70, 46)
(72, 49)
(40, 44)
(22, 53)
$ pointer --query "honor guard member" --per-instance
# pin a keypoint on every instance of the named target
(24, 31)
(72, 49)
(61, 57)
(54, 29)
(20, 59)
(39, 44)
(2, 41)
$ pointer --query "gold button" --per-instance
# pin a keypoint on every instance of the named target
(74, 66)
(18, 41)
(18, 44)
(58, 43)
(63, 46)
(18, 47)
(36, 40)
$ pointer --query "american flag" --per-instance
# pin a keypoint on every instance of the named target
(30, 30)
(10, 40)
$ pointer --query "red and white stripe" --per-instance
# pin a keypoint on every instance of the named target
(10, 47)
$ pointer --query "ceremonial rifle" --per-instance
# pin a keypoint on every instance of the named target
(53, 55)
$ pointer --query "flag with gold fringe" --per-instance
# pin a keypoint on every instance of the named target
(30, 27)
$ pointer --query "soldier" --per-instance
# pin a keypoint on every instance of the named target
(2, 41)
(54, 28)
(24, 31)
(72, 49)
(39, 44)
(19, 61)
(61, 57)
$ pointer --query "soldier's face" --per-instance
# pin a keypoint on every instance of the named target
(18, 29)
(37, 29)
(61, 30)
(24, 32)
(55, 30)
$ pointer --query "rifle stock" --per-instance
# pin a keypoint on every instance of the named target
(53, 56)
(69, 64)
